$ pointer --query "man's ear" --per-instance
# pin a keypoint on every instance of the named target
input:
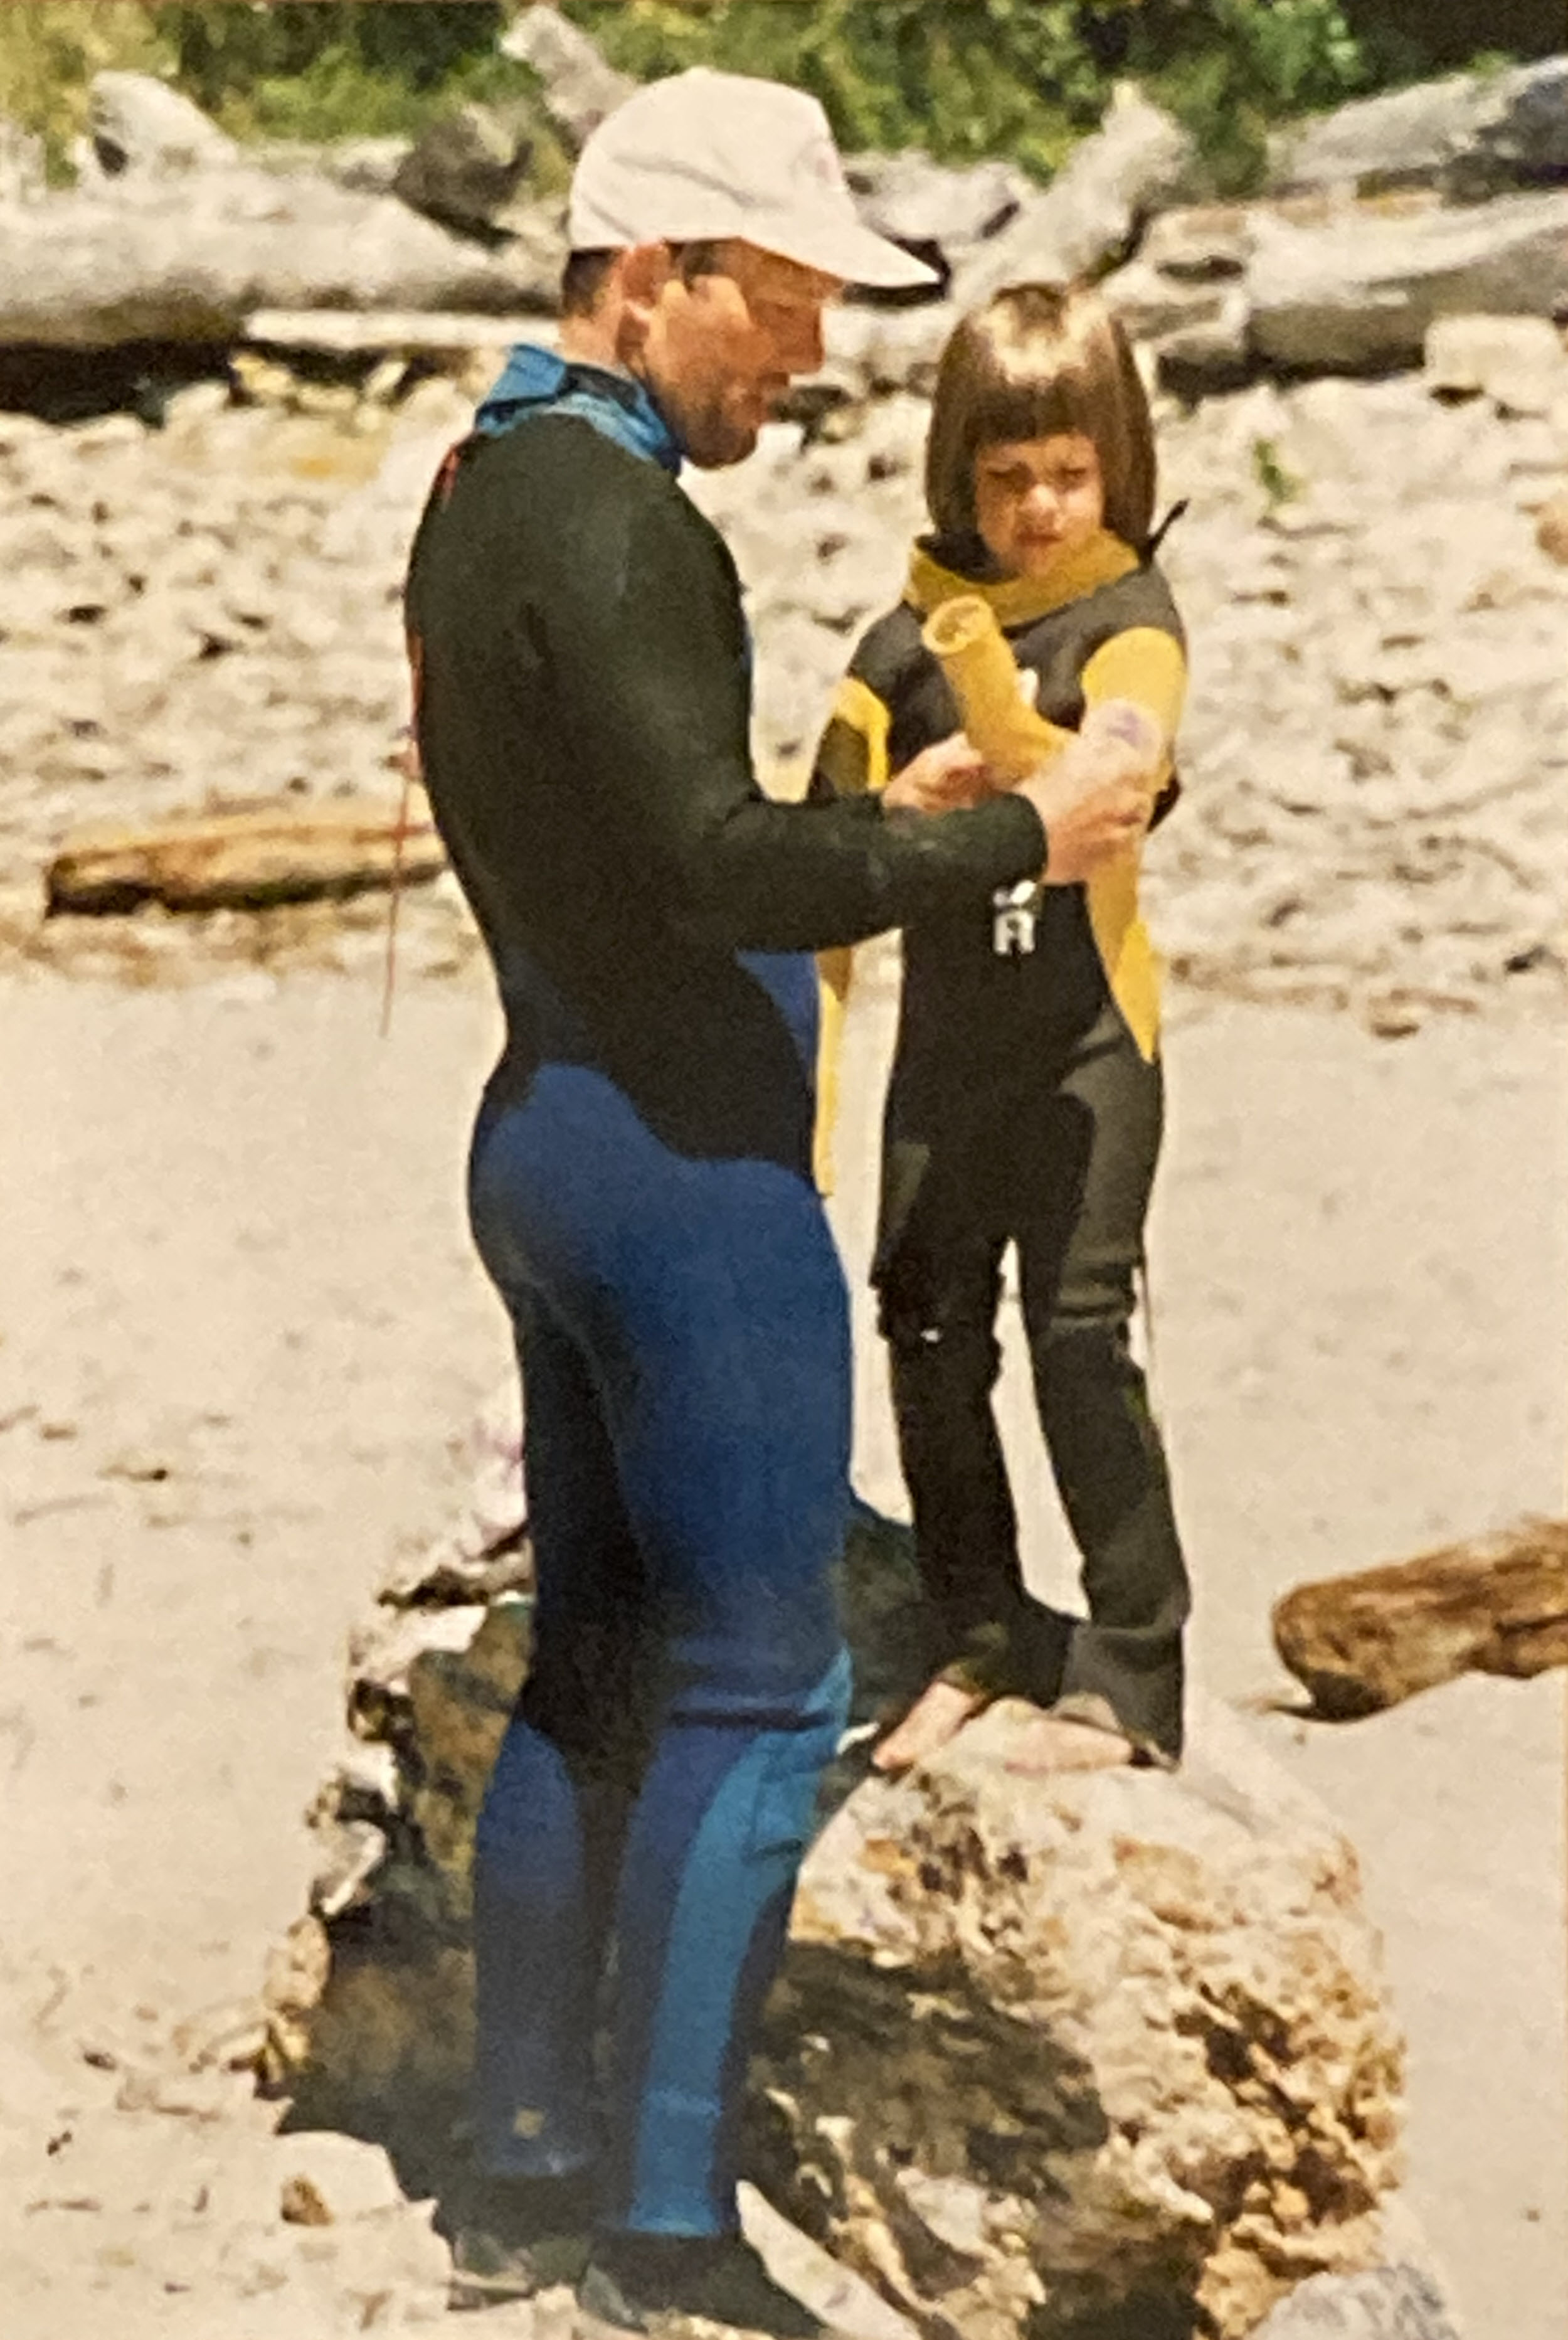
(644, 271)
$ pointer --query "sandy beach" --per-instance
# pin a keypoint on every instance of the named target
(244, 1336)
(240, 1332)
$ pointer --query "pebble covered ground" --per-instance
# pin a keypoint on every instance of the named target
(1375, 751)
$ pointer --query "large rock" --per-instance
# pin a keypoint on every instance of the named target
(1041, 2049)
(1045, 2051)
(579, 87)
(22, 171)
(938, 213)
(877, 353)
(1520, 363)
(159, 262)
(1091, 210)
(369, 165)
(1401, 2302)
(137, 123)
(1468, 132)
(1323, 298)
(468, 166)
(1185, 297)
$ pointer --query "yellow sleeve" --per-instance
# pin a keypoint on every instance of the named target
(852, 755)
(1144, 665)
(853, 760)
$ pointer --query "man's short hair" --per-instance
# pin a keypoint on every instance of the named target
(585, 273)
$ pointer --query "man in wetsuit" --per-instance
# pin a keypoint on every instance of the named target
(641, 1190)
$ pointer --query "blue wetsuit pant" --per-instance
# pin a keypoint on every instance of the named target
(682, 1332)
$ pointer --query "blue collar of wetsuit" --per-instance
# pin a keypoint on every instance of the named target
(534, 380)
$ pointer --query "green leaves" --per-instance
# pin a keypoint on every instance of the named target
(971, 78)
(965, 79)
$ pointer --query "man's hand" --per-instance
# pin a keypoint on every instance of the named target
(938, 779)
(1095, 802)
(1124, 721)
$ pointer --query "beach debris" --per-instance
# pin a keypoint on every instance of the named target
(1495, 1604)
(301, 2203)
(1552, 529)
(292, 851)
(485, 1552)
(1392, 2303)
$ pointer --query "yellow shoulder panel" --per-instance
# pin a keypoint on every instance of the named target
(1144, 665)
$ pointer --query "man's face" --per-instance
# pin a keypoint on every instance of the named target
(722, 349)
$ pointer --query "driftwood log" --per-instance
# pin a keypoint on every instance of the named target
(188, 260)
(288, 852)
(1495, 1604)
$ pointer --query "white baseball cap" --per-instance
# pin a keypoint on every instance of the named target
(703, 156)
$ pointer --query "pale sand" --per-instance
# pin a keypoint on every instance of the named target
(233, 1245)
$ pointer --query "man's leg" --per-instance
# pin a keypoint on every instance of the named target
(708, 1304)
(732, 1439)
(547, 1844)
(547, 1850)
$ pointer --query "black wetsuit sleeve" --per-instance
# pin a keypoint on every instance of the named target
(645, 639)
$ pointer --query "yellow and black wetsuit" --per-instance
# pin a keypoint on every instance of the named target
(1025, 1106)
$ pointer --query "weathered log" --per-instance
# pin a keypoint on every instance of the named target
(289, 852)
(190, 259)
(441, 339)
(1468, 134)
(1494, 1605)
(1324, 301)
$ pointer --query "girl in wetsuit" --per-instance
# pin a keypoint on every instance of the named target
(1026, 1096)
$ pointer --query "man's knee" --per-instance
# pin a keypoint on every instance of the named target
(795, 1759)
(764, 1665)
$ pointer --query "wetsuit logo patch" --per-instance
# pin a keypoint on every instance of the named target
(1015, 911)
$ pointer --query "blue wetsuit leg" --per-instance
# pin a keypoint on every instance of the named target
(549, 1840)
(704, 1321)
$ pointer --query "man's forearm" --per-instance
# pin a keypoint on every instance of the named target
(778, 877)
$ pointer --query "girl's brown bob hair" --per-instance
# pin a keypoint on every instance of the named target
(1036, 360)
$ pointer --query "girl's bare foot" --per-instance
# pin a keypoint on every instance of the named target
(941, 1709)
(1057, 1744)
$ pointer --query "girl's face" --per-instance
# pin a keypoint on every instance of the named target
(1037, 499)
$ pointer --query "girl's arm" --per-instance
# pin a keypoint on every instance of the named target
(1134, 688)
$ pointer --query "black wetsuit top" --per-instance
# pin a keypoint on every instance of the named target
(584, 730)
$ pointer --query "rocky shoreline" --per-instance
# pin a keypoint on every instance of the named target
(199, 589)
(207, 615)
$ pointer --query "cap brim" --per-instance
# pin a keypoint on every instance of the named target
(840, 248)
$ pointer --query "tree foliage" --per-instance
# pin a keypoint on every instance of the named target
(967, 78)
(962, 78)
